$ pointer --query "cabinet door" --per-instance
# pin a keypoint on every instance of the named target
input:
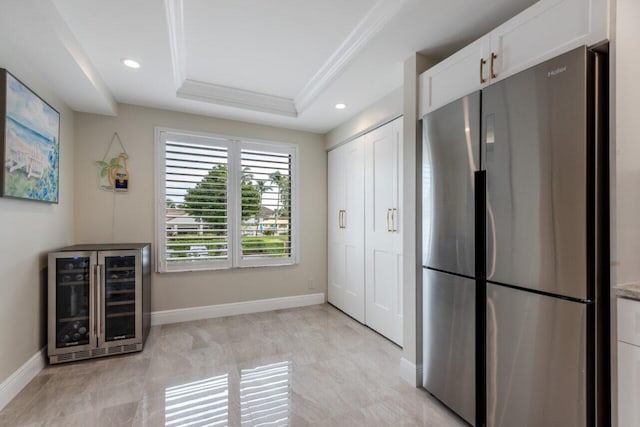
(462, 73)
(71, 309)
(346, 228)
(629, 321)
(119, 298)
(628, 384)
(545, 30)
(383, 242)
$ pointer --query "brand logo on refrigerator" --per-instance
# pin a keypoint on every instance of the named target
(556, 71)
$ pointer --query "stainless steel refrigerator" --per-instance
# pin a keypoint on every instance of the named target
(451, 162)
(532, 315)
(544, 133)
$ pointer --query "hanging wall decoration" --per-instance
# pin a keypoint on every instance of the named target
(113, 171)
(29, 143)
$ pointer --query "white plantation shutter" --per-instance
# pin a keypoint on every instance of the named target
(266, 225)
(223, 203)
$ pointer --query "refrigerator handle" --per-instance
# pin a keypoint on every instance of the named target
(492, 241)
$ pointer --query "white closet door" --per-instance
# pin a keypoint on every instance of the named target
(353, 226)
(346, 228)
(383, 249)
(335, 202)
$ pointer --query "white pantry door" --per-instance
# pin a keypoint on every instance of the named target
(383, 249)
(346, 228)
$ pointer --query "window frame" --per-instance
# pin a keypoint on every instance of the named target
(234, 145)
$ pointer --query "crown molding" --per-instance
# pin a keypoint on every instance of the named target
(377, 17)
(174, 10)
(234, 97)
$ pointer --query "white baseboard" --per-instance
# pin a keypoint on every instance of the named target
(21, 377)
(232, 309)
(410, 372)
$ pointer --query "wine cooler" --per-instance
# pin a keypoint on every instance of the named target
(99, 300)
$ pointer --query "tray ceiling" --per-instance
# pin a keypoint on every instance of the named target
(277, 62)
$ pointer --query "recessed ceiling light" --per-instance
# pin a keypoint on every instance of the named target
(131, 63)
(341, 106)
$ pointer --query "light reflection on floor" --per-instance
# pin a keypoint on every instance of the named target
(265, 399)
(198, 403)
(265, 395)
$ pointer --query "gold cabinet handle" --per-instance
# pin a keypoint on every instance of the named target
(482, 62)
(493, 58)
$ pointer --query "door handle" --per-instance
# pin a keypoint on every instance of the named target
(493, 58)
(344, 218)
(340, 218)
(389, 220)
(482, 62)
(393, 220)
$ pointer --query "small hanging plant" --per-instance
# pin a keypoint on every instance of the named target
(111, 169)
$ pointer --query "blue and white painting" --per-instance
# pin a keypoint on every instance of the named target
(31, 146)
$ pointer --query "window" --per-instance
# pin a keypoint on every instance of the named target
(224, 202)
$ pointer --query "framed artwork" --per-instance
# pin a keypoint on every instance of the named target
(29, 143)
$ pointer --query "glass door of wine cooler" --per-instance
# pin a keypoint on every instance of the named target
(120, 299)
(72, 281)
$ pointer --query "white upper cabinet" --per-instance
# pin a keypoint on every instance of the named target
(541, 32)
(464, 72)
(545, 30)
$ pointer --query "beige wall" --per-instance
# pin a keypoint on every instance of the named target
(29, 230)
(108, 217)
(626, 254)
(384, 110)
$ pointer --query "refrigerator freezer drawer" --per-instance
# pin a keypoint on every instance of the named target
(536, 359)
(449, 341)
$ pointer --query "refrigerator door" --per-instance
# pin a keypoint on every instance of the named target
(535, 137)
(536, 359)
(449, 341)
(451, 153)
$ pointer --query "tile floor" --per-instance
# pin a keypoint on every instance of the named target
(298, 367)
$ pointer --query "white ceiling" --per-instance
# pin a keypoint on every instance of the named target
(276, 62)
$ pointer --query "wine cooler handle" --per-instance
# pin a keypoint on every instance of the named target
(92, 304)
(98, 301)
